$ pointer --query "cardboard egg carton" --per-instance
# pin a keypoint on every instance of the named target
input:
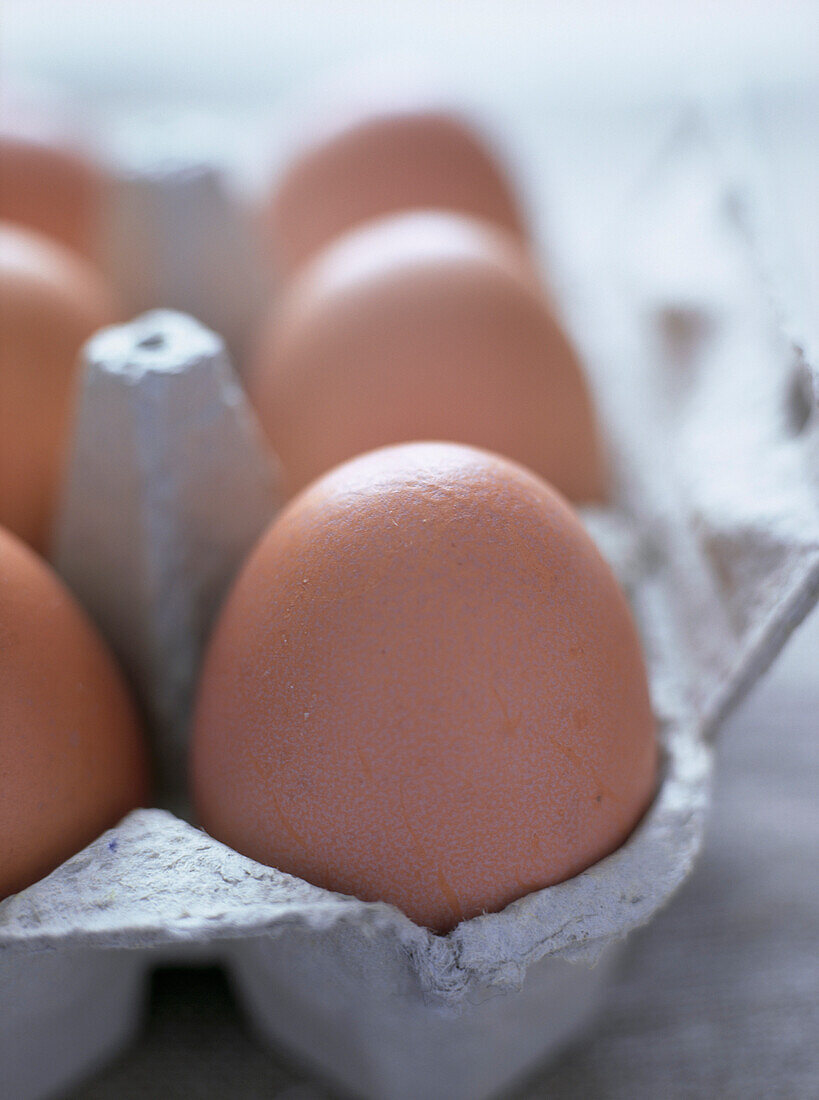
(714, 533)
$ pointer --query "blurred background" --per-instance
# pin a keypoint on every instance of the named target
(719, 997)
(573, 88)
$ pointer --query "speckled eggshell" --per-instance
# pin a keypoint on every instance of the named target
(51, 301)
(72, 758)
(426, 688)
(50, 187)
(376, 162)
(424, 326)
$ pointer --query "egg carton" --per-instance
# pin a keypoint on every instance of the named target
(714, 533)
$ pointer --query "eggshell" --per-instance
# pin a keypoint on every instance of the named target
(426, 688)
(424, 326)
(50, 187)
(51, 301)
(376, 162)
(72, 759)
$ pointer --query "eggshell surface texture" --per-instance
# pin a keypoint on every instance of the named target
(52, 189)
(51, 301)
(72, 759)
(424, 326)
(380, 162)
(426, 688)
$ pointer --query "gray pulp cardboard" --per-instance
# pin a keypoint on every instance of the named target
(176, 237)
(155, 521)
(715, 535)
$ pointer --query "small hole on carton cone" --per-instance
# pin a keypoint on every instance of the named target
(154, 342)
(798, 400)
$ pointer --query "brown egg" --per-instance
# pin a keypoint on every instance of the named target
(379, 162)
(424, 326)
(72, 758)
(426, 688)
(51, 188)
(51, 301)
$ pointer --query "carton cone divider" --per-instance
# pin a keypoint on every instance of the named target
(168, 485)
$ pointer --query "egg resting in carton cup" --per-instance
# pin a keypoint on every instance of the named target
(718, 570)
(425, 688)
